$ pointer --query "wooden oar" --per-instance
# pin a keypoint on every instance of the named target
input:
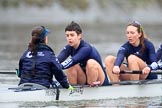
(140, 72)
(7, 72)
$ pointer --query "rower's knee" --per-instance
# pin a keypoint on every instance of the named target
(132, 59)
(109, 60)
(91, 64)
(72, 75)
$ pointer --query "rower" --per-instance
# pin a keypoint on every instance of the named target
(81, 59)
(139, 53)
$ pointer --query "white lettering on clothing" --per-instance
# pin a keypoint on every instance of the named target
(40, 54)
(29, 55)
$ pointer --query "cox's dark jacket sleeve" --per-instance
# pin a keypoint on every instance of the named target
(57, 71)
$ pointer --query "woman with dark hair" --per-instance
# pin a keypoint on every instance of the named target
(38, 64)
(85, 64)
(139, 53)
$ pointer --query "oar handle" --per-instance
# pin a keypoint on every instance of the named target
(131, 72)
(140, 72)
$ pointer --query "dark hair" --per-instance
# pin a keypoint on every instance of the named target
(38, 34)
(73, 27)
(139, 30)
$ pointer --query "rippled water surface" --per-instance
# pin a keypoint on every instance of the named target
(155, 102)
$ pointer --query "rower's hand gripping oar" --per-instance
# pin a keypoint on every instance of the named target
(140, 72)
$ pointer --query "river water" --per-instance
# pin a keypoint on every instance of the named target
(107, 38)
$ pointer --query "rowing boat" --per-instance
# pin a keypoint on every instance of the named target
(127, 89)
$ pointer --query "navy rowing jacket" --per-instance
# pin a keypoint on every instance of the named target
(149, 55)
(46, 65)
(81, 55)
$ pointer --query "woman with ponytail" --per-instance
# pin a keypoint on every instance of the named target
(139, 53)
(38, 64)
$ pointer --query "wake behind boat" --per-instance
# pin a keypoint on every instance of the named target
(127, 89)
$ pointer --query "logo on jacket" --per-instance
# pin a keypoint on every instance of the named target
(40, 54)
(121, 48)
(29, 55)
(137, 53)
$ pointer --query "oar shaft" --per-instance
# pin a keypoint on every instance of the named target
(8, 72)
(140, 72)
(156, 71)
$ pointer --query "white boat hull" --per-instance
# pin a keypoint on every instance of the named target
(83, 93)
